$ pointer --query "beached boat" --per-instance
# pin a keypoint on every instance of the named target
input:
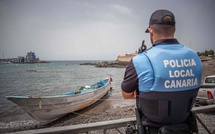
(50, 108)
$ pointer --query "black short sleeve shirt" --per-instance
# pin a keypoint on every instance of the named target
(130, 82)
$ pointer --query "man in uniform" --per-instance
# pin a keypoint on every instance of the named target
(165, 78)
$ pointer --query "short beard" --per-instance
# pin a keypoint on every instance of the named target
(151, 39)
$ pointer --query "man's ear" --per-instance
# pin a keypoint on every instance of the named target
(150, 31)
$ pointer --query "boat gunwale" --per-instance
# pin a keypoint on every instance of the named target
(60, 95)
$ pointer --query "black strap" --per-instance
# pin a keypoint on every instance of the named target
(156, 107)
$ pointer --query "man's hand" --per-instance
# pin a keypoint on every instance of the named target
(131, 95)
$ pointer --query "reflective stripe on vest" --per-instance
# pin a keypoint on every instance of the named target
(168, 68)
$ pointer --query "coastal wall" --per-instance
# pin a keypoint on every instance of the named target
(126, 57)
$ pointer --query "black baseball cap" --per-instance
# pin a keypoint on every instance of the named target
(157, 18)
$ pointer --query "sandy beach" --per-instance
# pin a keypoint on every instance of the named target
(111, 107)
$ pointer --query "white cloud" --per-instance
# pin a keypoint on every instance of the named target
(122, 9)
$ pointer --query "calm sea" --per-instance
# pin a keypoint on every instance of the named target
(47, 79)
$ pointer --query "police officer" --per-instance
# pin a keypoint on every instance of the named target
(165, 78)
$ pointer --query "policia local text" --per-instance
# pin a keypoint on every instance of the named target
(180, 73)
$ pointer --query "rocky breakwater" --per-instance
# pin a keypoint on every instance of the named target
(106, 64)
(120, 62)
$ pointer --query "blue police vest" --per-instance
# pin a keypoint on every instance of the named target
(168, 68)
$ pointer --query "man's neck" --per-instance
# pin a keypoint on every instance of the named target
(160, 37)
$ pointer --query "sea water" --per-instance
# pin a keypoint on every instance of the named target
(52, 78)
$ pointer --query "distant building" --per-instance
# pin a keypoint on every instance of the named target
(21, 59)
(31, 57)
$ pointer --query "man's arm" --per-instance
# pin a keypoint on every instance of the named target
(130, 82)
(131, 95)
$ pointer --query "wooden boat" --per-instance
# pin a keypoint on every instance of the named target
(50, 108)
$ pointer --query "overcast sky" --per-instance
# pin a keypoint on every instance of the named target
(97, 29)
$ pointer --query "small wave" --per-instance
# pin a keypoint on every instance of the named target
(30, 70)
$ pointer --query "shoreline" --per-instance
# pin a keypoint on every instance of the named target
(40, 62)
(110, 107)
(31, 62)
